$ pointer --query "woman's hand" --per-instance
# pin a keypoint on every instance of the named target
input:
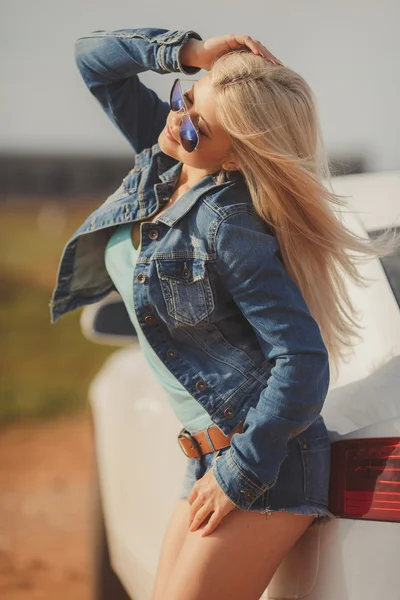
(201, 53)
(205, 498)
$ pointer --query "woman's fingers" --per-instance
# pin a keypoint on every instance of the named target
(267, 54)
(252, 44)
(195, 504)
(211, 524)
(258, 48)
(214, 47)
(201, 514)
(246, 40)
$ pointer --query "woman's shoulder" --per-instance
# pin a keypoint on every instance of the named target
(236, 210)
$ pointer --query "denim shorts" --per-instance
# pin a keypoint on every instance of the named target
(302, 485)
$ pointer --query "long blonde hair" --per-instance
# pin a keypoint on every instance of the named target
(269, 112)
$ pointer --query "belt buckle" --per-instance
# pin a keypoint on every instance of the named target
(185, 434)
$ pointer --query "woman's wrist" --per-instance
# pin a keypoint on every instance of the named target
(190, 53)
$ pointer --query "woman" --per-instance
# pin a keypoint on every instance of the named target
(224, 246)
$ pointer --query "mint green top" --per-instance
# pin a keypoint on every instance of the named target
(120, 260)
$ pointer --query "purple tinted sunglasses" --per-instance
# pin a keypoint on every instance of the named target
(188, 135)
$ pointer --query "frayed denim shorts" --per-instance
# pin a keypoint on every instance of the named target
(302, 486)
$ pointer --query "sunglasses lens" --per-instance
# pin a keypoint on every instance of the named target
(176, 98)
(188, 134)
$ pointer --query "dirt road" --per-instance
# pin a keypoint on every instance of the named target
(45, 507)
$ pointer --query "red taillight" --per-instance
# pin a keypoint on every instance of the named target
(365, 479)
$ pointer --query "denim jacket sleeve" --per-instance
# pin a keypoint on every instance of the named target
(249, 262)
(110, 61)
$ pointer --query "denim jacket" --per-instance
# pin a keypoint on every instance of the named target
(210, 290)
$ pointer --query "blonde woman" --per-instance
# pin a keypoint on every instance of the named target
(226, 248)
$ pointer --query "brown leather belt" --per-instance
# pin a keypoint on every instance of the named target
(196, 444)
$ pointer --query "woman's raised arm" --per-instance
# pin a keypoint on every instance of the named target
(110, 61)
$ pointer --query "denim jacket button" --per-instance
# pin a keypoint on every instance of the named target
(172, 353)
(186, 272)
(201, 385)
(229, 412)
(150, 319)
(247, 495)
(141, 278)
(153, 234)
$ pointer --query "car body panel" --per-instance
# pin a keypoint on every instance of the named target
(141, 465)
(346, 559)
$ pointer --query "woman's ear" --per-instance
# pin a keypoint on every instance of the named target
(230, 165)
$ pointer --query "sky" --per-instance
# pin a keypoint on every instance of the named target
(347, 50)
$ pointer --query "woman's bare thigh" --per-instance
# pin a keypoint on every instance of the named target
(236, 560)
(177, 528)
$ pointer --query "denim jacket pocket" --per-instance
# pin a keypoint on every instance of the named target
(315, 454)
(186, 289)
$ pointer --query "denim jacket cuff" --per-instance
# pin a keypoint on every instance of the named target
(176, 57)
(171, 44)
(235, 483)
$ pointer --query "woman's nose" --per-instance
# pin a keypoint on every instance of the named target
(177, 117)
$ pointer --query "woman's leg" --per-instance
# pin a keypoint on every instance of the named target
(174, 537)
(178, 526)
(236, 560)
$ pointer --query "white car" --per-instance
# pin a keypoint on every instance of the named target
(353, 557)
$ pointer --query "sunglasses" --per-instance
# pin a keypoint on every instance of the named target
(188, 132)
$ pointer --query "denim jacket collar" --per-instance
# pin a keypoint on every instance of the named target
(179, 208)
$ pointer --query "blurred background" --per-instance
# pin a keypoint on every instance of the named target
(60, 157)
